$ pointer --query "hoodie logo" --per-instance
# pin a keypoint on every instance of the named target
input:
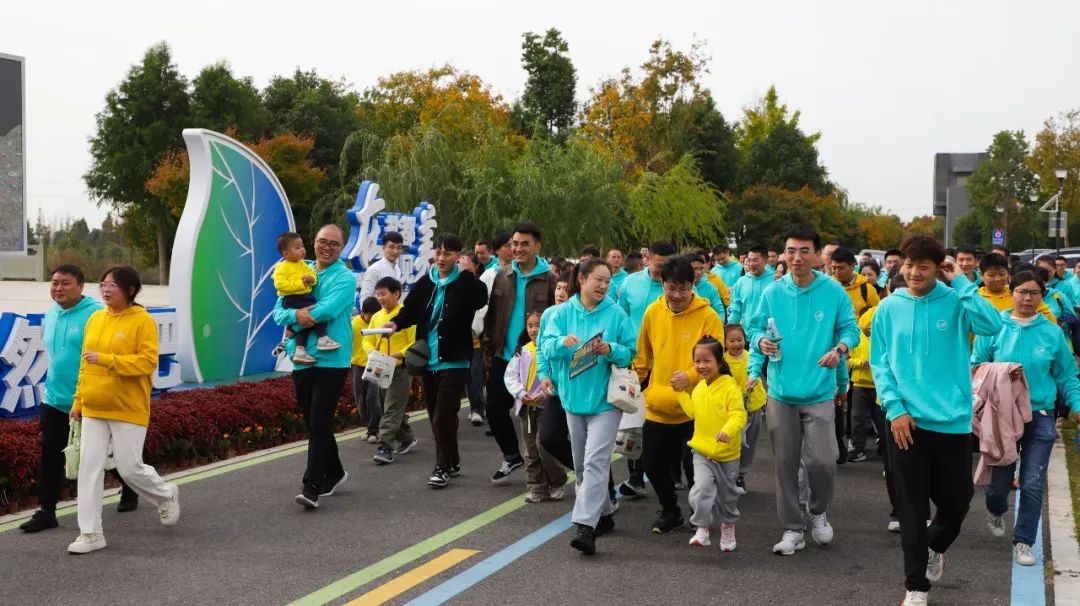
(819, 315)
(942, 324)
(118, 335)
(1040, 350)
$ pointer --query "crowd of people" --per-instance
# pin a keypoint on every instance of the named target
(817, 347)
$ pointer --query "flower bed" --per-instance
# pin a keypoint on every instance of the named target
(187, 428)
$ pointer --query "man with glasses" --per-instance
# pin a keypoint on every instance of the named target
(386, 267)
(526, 286)
(816, 321)
(318, 386)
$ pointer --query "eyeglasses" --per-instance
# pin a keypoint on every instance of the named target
(524, 244)
(108, 285)
(1023, 292)
(678, 291)
(328, 243)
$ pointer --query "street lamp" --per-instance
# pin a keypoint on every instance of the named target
(1060, 173)
(1034, 197)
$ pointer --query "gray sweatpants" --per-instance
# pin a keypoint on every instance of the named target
(592, 440)
(754, 420)
(803, 433)
(713, 498)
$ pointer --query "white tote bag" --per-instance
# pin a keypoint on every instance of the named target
(72, 452)
(380, 367)
(624, 390)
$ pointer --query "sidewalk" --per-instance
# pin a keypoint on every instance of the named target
(1064, 549)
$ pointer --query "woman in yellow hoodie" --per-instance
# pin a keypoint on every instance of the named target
(112, 398)
(719, 414)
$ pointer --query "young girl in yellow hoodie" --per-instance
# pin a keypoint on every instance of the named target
(716, 406)
(112, 398)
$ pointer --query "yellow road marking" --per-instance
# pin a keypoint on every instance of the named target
(388, 591)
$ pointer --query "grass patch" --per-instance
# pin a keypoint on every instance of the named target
(1072, 462)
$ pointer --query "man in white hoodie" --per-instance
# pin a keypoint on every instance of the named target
(386, 267)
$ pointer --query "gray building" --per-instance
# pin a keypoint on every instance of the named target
(951, 173)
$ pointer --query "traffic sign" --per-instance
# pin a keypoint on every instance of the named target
(997, 237)
(1058, 230)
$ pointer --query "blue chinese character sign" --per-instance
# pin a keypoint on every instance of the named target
(368, 223)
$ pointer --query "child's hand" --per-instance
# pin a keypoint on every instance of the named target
(723, 437)
(751, 384)
(309, 280)
(680, 381)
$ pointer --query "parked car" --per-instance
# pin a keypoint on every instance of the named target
(1072, 255)
(878, 255)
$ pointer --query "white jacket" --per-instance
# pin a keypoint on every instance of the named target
(379, 270)
(488, 278)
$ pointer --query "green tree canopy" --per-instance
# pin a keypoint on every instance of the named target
(547, 107)
(221, 101)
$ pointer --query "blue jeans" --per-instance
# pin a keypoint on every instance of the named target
(1034, 447)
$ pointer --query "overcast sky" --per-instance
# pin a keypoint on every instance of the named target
(888, 84)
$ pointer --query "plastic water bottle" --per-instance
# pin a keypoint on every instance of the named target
(772, 334)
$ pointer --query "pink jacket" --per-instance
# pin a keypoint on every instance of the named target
(1002, 405)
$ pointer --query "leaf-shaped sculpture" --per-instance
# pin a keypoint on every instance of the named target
(223, 255)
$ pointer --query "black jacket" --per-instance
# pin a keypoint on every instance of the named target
(464, 297)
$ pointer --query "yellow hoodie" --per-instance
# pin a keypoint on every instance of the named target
(665, 346)
(117, 387)
(359, 352)
(855, 293)
(718, 282)
(716, 407)
(399, 341)
(289, 278)
(739, 367)
(1003, 301)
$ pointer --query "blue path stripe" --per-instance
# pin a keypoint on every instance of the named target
(494, 563)
(1028, 583)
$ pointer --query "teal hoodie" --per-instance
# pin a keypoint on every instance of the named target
(729, 273)
(1039, 347)
(335, 293)
(707, 291)
(64, 330)
(617, 282)
(585, 394)
(434, 365)
(517, 315)
(920, 353)
(745, 296)
(637, 294)
(811, 321)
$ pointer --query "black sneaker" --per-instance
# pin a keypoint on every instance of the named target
(129, 501)
(383, 456)
(668, 521)
(278, 349)
(508, 467)
(740, 485)
(41, 520)
(454, 471)
(842, 458)
(604, 526)
(328, 490)
(680, 485)
(584, 540)
(631, 491)
(308, 497)
(856, 456)
(439, 478)
(404, 448)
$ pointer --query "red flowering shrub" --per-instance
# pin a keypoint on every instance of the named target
(186, 427)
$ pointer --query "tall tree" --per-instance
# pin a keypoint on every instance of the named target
(142, 121)
(678, 205)
(761, 212)
(1057, 145)
(547, 107)
(762, 117)
(221, 101)
(999, 192)
(786, 158)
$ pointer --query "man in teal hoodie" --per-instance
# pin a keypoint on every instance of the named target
(815, 319)
(747, 291)
(729, 270)
(618, 274)
(919, 358)
(319, 386)
(63, 329)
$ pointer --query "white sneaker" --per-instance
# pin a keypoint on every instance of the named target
(87, 543)
(996, 524)
(791, 542)
(327, 344)
(894, 525)
(476, 419)
(701, 538)
(727, 537)
(301, 356)
(169, 511)
(915, 598)
(820, 529)
(1023, 555)
(935, 566)
(557, 494)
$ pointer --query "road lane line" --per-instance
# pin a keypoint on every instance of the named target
(388, 591)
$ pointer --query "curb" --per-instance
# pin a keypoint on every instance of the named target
(1064, 549)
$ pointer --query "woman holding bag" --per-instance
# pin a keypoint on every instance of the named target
(112, 398)
(582, 340)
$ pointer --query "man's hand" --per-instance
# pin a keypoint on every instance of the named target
(751, 384)
(950, 270)
(767, 347)
(547, 387)
(75, 414)
(903, 430)
(308, 280)
(304, 318)
(723, 437)
(829, 360)
(680, 381)
(392, 327)
(571, 341)
(839, 399)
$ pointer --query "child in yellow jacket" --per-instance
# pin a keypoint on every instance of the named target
(716, 405)
(863, 392)
(294, 280)
(365, 394)
(740, 360)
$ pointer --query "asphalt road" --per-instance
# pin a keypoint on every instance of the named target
(242, 540)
